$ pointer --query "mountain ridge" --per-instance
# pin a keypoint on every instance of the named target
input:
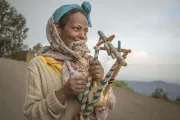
(148, 87)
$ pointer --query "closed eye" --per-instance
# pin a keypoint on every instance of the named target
(86, 30)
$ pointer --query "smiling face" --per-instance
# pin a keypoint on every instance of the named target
(75, 29)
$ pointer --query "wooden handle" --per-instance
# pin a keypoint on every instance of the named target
(114, 76)
(116, 71)
(122, 50)
(109, 39)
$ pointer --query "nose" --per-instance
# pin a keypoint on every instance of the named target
(82, 35)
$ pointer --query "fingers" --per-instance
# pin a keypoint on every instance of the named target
(93, 68)
(95, 62)
(80, 87)
(95, 65)
(101, 109)
(96, 70)
(97, 77)
(79, 77)
(76, 84)
(80, 82)
(76, 88)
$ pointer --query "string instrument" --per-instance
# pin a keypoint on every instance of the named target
(96, 95)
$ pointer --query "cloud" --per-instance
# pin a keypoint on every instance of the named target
(144, 58)
(134, 58)
(143, 67)
(140, 54)
(164, 72)
(140, 25)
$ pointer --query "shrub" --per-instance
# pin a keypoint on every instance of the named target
(177, 100)
(121, 83)
(160, 94)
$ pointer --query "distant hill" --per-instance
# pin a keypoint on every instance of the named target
(147, 88)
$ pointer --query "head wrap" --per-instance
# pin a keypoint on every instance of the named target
(85, 7)
(74, 55)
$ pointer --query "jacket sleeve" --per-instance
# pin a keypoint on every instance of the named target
(36, 105)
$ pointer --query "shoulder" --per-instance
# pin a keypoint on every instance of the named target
(33, 65)
(44, 62)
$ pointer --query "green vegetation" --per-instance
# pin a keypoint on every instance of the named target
(160, 94)
(121, 83)
(36, 48)
(177, 101)
(13, 30)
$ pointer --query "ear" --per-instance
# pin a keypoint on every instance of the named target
(59, 30)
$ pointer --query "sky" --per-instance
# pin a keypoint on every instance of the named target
(150, 28)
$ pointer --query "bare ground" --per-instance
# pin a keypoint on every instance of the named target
(129, 106)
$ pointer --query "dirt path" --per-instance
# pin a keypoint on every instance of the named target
(12, 79)
(132, 106)
(129, 106)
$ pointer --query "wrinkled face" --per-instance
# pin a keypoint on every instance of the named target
(75, 29)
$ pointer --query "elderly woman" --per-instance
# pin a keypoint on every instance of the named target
(59, 73)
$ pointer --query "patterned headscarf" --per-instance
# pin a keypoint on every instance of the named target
(85, 7)
(58, 49)
(74, 56)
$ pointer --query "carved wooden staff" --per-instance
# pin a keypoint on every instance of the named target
(86, 92)
(116, 71)
(112, 50)
(87, 106)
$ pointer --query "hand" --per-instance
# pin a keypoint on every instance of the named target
(96, 71)
(75, 85)
(111, 99)
(101, 113)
